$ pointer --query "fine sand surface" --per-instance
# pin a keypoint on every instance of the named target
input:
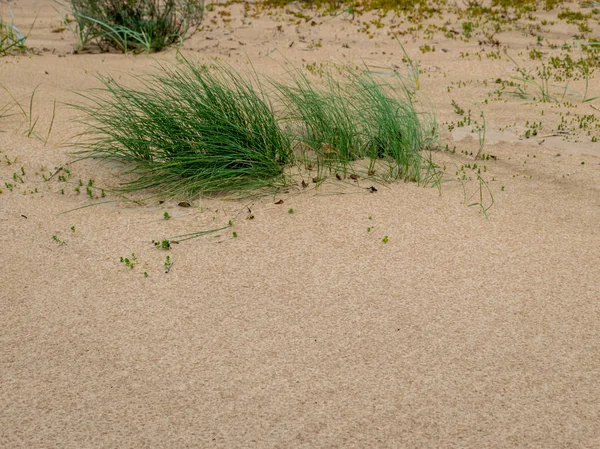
(306, 330)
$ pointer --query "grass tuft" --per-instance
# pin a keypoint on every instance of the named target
(189, 130)
(205, 129)
(359, 117)
(134, 25)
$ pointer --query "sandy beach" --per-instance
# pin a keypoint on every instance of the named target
(306, 329)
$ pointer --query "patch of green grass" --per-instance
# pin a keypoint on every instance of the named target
(133, 25)
(396, 131)
(205, 129)
(323, 122)
(188, 130)
(353, 116)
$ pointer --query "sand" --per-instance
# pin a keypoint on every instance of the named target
(305, 330)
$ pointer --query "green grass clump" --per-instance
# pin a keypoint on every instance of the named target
(206, 129)
(189, 130)
(359, 117)
(134, 25)
(324, 122)
(396, 132)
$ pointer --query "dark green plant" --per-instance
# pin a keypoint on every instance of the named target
(134, 25)
(188, 130)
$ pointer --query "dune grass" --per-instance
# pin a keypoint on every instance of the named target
(323, 123)
(189, 130)
(353, 116)
(134, 25)
(203, 129)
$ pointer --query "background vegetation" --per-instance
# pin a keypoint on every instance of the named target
(134, 25)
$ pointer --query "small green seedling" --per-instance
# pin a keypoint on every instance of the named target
(166, 216)
(130, 263)
(145, 274)
(72, 228)
(162, 244)
(290, 211)
(57, 240)
(385, 239)
(234, 234)
(168, 264)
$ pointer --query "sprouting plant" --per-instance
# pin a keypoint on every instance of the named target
(162, 244)
(234, 234)
(481, 130)
(413, 65)
(58, 240)
(51, 124)
(166, 216)
(543, 85)
(385, 239)
(467, 28)
(32, 123)
(457, 109)
(72, 228)
(130, 262)
(290, 211)
(168, 264)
